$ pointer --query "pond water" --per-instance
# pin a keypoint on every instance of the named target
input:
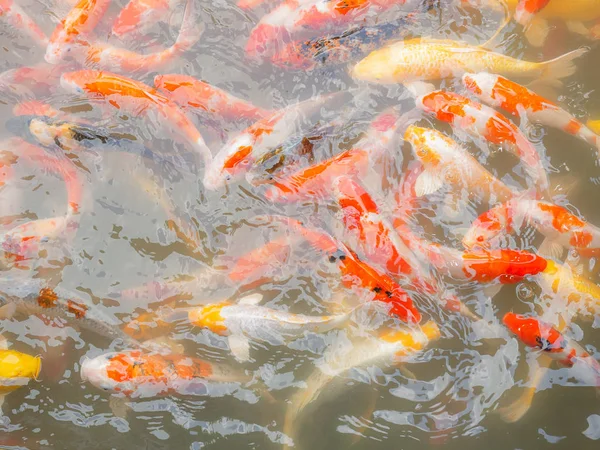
(124, 260)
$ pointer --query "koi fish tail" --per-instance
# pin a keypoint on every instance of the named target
(551, 72)
(191, 29)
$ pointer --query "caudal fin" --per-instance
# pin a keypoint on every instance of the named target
(191, 28)
(564, 66)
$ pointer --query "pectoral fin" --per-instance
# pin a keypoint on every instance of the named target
(551, 249)
(419, 88)
(240, 347)
(252, 299)
(428, 182)
(537, 31)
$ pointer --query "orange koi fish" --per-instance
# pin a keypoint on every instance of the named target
(139, 15)
(357, 274)
(189, 92)
(515, 99)
(555, 222)
(444, 161)
(79, 22)
(424, 59)
(105, 56)
(315, 181)
(482, 121)
(526, 9)
(250, 268)
(381, 244)
(138, 374)
(540, 335)
(20, 20)
(138, 99)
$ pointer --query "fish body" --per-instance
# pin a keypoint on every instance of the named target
(540, 335)
(188, 92)
(526, 9)
(17, 18)
(138, 16)
(139, 374)
(482, 121)
(433, 59)
(553, 221)
(78, 23)
(30, 81)
(17, 369)
(516, 99)
(135, 98)
(446, 162)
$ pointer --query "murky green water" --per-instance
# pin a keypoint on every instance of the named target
(123, 243)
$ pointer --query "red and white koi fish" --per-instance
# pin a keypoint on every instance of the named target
(107, 57)
(526, 9)
(540, 335)
(444, 161)
(139, 15)
(137, 99)
(78, 23)
(138, 374)
(31, 81)
(515, 99)
(295, 19)
(555, 222)
(315, 181)
(17, 18)
(482, 121)
(381, 244)
(35, 108)
(236, 157)
(191, 93)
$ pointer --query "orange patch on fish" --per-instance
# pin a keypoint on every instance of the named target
(209, 317)
(562, 219)
(238, 157)
(77, 309)
(47, 298)
(573, 127)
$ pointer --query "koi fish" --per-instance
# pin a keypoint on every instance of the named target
(138, 99)
(30, 81)
(35, 108)
(482, 121)
(32, 296)
(433, 59)
(191, 93)
(107, 57)
(237, 156)
(357, 274)
(251, 4)
(17, 18)
(540, 335)
(515, 99)
(315, 181)
(138, 16)
(246, 320)
(16, 369)
(79, 22)
(445, 161)
(526, 9)
(555, 222)
(376, 351)
(381, 244)
(138, 374)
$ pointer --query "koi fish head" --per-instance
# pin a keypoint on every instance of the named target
(112, 372)
(375, 68)
(535, 333)
(232, 162)
(487, 227)
(444, 105)
(482, 85)
(210, 316)
(75, 82)
(17, 367)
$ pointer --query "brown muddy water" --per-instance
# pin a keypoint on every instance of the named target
(125, 261)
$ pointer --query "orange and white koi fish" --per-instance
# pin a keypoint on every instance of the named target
(17, 18)
(138, 374)
(423, 59)
(555, 222)
(35, 108)
(139, 15)
(31, 81)
(526, 9)
(78, 23)
(540, 335)
(107, 57)
(191, 93)
(515, 99)
(295, 19)
(236, 157)
(482, 121)
(445, 161)
(357, 274)
(16, 369)
(381, 244)
(246, 320)
(315, 181)
(137, 99)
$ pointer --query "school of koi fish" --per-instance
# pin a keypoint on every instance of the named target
(288, 250)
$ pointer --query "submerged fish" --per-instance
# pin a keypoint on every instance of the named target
(246, 320)
(16, 369)
(526, 9)
(482, 121)
(433, 59)
(20, 20)
(138, 16)
(138, 374)
(517, 100)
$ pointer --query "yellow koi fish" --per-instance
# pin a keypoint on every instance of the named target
(16, 369)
